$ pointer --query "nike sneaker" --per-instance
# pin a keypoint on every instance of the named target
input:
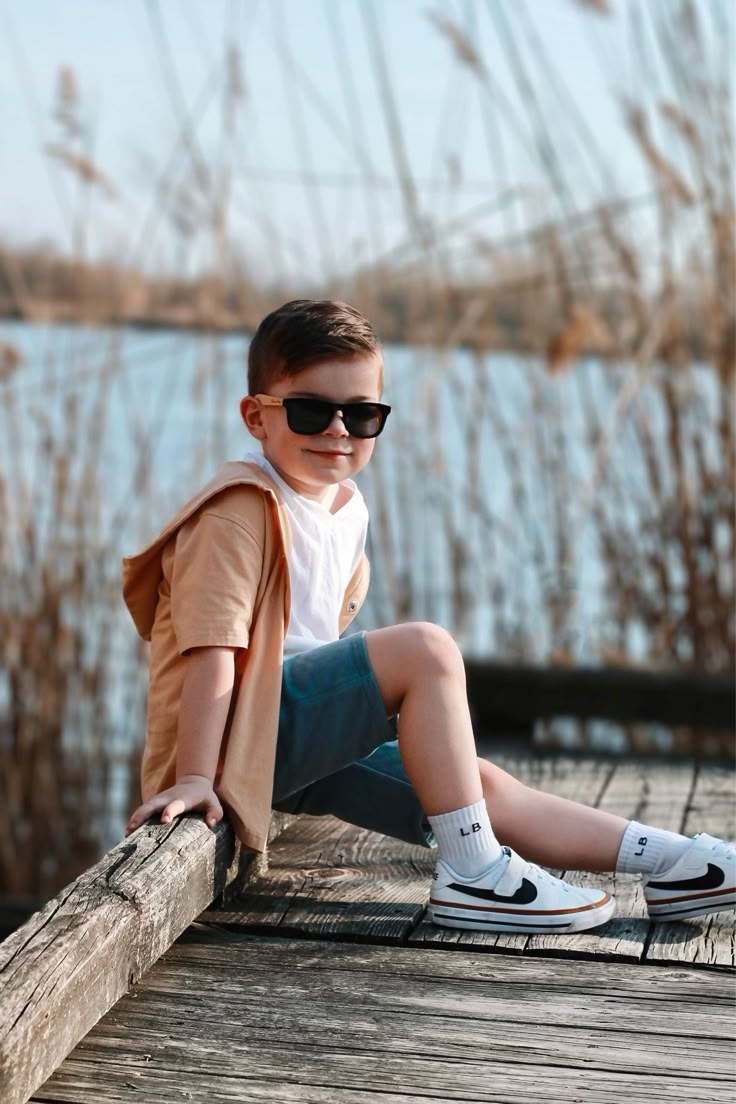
(524, 898)
(702, 880)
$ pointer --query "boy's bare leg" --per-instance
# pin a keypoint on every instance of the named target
(420, 675)
(548, 829)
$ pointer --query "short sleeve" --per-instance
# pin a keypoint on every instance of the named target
(216, 570)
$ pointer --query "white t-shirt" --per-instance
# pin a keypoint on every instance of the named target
(325, 551)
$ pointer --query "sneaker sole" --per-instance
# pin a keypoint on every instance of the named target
(682, 907)
(550, 923)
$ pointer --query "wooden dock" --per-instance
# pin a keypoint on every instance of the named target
(324, 983)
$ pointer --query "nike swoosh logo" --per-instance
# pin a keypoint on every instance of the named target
(712, 880)
(524, 895)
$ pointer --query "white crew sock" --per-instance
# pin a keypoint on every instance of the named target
(647, 850)
(465, 840)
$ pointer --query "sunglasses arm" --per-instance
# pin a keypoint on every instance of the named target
(269, 400)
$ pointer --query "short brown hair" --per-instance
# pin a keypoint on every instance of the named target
(302, 332)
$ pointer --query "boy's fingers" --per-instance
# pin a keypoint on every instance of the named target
(137, 819)
(174, 808)
(213, 814)
(169, 810)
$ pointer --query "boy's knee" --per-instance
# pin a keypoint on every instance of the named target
(432, 649)
(402, 655)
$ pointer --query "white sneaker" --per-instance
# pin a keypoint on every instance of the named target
(702, 880)
(524, 899)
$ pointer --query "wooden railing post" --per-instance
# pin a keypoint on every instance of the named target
(71, 961)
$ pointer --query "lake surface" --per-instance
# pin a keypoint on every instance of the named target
(478, 490)
(487, 454)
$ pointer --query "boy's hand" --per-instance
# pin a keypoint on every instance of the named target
(193, 791)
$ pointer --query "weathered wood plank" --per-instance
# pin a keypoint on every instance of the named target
(708, 940)
(678, 984)
(329, 879)
(77, 1083)
(73, 960)
(419, 992)
(324, 1077)
(324, 1022)
(676, 1053)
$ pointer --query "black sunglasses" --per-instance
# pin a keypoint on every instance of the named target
(308, 416)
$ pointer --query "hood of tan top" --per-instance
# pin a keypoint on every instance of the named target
(142, 572)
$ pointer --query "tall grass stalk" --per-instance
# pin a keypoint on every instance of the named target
(498, 554)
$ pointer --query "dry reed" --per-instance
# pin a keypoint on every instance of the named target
(568, 283)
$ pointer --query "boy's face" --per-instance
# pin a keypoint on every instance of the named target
(312, 464)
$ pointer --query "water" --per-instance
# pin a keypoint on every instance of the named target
(473, 454)
(479, 487)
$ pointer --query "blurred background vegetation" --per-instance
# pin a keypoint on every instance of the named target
(557, 487)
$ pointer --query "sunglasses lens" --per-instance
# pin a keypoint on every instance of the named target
(309, 416)
(363, 419)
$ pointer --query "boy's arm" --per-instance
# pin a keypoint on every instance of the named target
(205, 701)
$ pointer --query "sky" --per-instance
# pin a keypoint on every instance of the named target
(352, 124)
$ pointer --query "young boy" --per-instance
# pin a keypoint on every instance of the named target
(256, 703)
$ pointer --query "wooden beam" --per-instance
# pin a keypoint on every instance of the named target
(69, 964)
(515, 695)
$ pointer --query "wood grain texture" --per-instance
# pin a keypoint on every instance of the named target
(263, 1018)
(371, 1001)
(330, 879)
(71, 961)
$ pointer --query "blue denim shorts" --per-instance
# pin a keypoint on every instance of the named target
(337, 751)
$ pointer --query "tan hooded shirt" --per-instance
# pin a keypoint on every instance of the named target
(217, 575)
